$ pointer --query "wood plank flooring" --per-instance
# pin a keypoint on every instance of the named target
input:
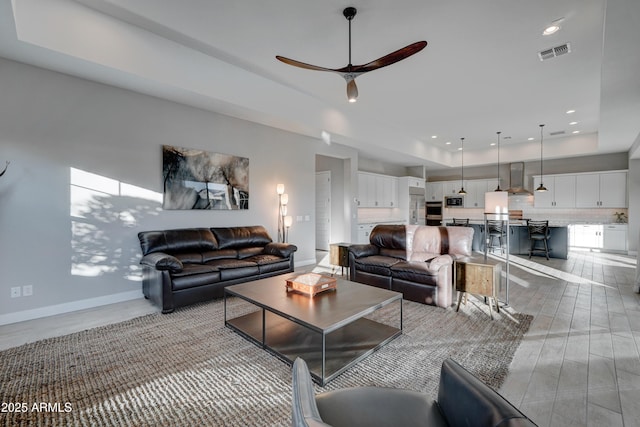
(579, 364)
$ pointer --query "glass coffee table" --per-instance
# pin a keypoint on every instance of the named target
(331, 331)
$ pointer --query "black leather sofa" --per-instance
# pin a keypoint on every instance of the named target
(185, 266)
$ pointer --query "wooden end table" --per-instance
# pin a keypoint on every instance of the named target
(339, 255)
(478, 277)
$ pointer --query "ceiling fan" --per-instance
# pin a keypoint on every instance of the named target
(350, 72)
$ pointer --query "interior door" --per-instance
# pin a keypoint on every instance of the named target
(323, 210)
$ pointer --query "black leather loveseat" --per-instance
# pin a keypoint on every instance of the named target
(185, 266)
(416, 260)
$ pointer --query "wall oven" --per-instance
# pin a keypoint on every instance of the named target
(434, 213)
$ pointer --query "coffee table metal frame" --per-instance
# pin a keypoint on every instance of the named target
(331, 333)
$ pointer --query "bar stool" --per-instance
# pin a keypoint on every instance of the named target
(538, 232)
(457, 222)
(495, 232)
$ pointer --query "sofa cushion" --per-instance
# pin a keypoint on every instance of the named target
(173, 241)
(221, 254)
(231, 269)
(189, 258)
(413, 271)
(395, 253)
(269, 263)
(241, 237)
(249, 252)
(388, 236)
(440, 240)
(194, 280)
(194, 275)
(376, 264)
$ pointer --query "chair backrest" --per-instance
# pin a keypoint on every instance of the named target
(304, 412)
(464, 400)
(494, 226)
(539, 228)
(459, 222)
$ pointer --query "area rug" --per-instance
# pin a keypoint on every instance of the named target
(187, 369)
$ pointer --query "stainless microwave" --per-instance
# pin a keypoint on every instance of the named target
(454, 201)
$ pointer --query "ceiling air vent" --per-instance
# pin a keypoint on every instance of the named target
(554, 51)
(558, 132)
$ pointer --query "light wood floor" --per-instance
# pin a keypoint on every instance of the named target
(578, 365)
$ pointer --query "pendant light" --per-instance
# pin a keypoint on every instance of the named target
(462, 192)
(498, 187)
(541, 187)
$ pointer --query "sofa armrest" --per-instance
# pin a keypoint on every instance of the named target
(459, 389)
(162, 261)
(359, 251)
(435, 261)
(280, 249)
(438, 262)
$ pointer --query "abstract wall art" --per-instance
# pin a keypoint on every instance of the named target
(198, 179)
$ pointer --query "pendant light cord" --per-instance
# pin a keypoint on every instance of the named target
(541, 145)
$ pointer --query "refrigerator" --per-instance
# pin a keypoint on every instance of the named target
(417, 213)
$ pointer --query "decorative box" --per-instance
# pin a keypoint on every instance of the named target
(311, 284)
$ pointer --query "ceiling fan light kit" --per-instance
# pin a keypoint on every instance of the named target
(350, 72)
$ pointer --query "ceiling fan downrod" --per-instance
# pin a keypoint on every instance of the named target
(349, 13)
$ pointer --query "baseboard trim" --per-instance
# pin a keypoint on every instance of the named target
(52, 310)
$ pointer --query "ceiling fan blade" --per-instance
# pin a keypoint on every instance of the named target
(389, 59)
(302, 64)
(352, 90)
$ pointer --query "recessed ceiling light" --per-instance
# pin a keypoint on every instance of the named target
(434, 136)
(459, 148)
(551, 29)
(573, 123)
(571, 111)
(492, 144)
(576, 131)
(529, 139)
(448, 142)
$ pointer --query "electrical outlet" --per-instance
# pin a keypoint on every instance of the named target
(27, 290)
(15, 292)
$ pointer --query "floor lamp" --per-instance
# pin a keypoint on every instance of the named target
(496, 207)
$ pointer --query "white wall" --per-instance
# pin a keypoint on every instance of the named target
(85, 177)
(634, 205)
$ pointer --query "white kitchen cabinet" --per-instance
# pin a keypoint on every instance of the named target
(615, 237)
(475, 193)
(560, 192)
(377, 191)
(386, 192)
(601, 190)
(451, 188)
(366, 190)
(586, 235)
(476, 190)
(434, 191)
(415, 182)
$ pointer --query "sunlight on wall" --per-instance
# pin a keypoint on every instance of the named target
(100, 208)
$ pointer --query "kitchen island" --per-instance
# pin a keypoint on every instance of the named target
(519, 243)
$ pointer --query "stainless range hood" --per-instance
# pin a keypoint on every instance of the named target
(516, 179)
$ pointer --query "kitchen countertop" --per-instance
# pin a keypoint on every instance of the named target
(552, 223)
(385, 221)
